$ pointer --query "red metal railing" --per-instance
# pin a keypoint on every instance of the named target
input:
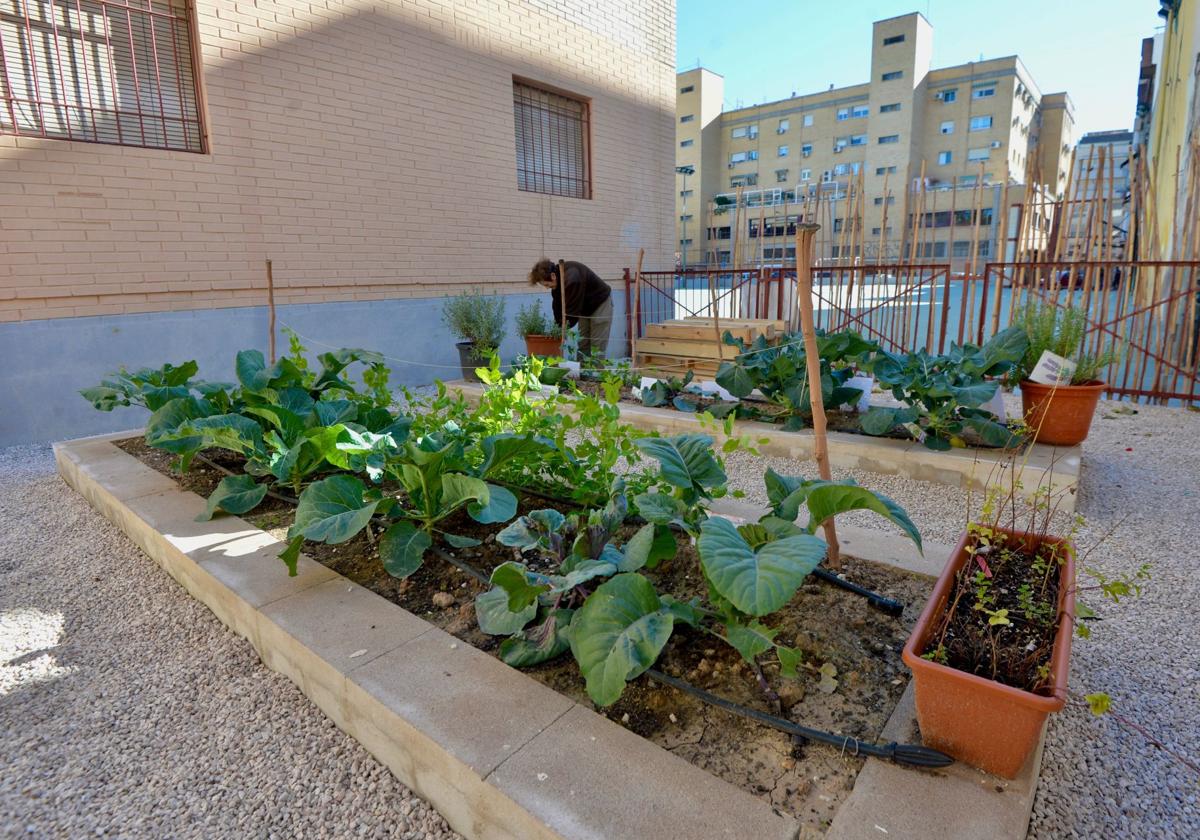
(1148, 310)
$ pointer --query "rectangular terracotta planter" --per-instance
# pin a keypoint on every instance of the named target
(979, 721)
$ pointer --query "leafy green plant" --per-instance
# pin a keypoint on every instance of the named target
(671, 390)
(574, 553)
(693, 474)
(476, 318)
(1060, 330)
(943, 395)
(780, 372)
(532, 320)
(149, 388)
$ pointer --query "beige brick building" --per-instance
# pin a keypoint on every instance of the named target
(984, 123)
(155, 153)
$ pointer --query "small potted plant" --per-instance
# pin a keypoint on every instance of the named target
(991, 650)
(542, 337)
(478, 321)
(1060, 414)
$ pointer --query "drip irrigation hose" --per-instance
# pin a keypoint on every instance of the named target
(880, 602)
(912, 755)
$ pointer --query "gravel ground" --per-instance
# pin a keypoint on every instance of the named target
(82, 708)
(128, 710)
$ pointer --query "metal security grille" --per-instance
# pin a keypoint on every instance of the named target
(99, 71)
(552, 142)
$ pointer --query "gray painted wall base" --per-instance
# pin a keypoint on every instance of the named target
(47, 362)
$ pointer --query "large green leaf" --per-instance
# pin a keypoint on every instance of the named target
(514, 579)
(878, 421)
(532, 530)
(975, 393)
(458, 489)
(756, 582)
(499, 506)
(332, 510)
(735, 379)
(538, 643)
(660, 508)
(162, 429)
(494, 616)
(687, 461)
(751, 639)
(500, 450)
(227, 431)
(235, 494)
(330, 412)
(637, 550)
(251, 369)
(619, 633)
(991, 432)
(402, 548)
(828, 500)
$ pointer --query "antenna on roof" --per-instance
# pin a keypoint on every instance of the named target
(831, 85)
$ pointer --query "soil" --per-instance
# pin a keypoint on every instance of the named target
(1018, 653)
(830, 625)
(767, 412)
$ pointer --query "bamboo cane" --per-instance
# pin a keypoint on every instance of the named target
(1002, 257)
(804, 238)
(271, 311)
(562, 297)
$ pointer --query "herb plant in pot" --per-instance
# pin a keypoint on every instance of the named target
(990, 651)
(478, 322)
(1060, 413)
(542, 336)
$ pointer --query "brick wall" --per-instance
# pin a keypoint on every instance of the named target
(366, 149)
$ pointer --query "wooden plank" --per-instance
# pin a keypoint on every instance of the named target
(693, 333)
(687, 349)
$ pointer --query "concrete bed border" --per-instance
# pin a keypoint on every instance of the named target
(498, 754)
(1040, 466)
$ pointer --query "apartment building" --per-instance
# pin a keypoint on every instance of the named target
(966, 130)
(154, 154)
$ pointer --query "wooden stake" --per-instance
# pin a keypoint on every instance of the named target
(271, 311)
(804, 239)
(562, 297)
(637, 308)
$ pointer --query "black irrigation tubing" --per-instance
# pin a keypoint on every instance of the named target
(887, 605)
(912, 755)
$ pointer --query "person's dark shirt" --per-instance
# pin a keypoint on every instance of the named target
(585, 293)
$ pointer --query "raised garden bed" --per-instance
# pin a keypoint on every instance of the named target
(1039, 466)
(829, 624)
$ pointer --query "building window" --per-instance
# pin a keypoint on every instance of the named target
(858, 139)
(781, 176)
(894, 39)
(552, 134)
(826, 176)
(886, 231)
(984, 247)
(743, 181)
(980, 123)
(683, 144)
(935, 250)
(984, 91)
(843, 113)
(805, 174)
(948, 127)
(891, 199)
(885, 170)
(860, 111)
(948, 95)
(889, 109)
(808, 120)
(783, 151)
(687, 89)
(747, 131)
(945, 158)
(783, 127)
(686, 193)
(107, 72)
(685, 242)
(806, 149)
(889, 138)
(978, 154)
(837, 225)
(840, 143)
(686, 217)
(841, 169)
(891, 77)
(962, 248)
(687, 118)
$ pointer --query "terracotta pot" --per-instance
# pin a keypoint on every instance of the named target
(468, 359)
(977, 720)
(543, 345)
(1060, 415)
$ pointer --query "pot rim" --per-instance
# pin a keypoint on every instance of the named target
(1059, 658)
(1093, 385)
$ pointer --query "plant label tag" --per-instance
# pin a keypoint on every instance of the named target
(1052, 369)
(864, 383)
(996, 406)
(916, 431)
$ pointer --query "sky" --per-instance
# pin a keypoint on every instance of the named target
(766, 49)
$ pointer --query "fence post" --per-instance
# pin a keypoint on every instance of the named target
(628, 316)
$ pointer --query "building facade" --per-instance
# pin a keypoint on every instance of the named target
(1099, 204)
(154, 154)
(965, 130)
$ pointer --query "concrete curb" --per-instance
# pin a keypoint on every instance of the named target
(1041, 466)
(496, 753)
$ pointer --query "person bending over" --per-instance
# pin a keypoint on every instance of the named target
(589, 302)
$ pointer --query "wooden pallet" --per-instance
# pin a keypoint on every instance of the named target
(671, 348)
